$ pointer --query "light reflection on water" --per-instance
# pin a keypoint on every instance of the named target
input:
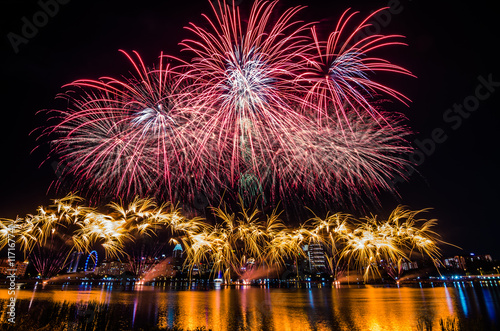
(253, 308)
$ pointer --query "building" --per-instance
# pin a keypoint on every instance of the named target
(177, 253)
(112, 268)
(468, 262)
(457, 262)
(316, 257)
(177, 257)
(409, 265)
(484, 258)
(20, 267)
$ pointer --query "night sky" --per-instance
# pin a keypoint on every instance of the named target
(452, 51)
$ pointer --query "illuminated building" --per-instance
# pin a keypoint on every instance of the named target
(485, 258)
(20, 267)
(316, 257)
(457, 262)
(177, 257)
(112, 268)
(409, 265)
(177, 253)
(468, 262)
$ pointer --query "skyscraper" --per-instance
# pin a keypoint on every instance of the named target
(316, 257)
(177, 254)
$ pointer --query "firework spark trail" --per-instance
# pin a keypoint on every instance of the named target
(242, 77)
(49, 236)
(363, 159)
(393, 240)
(349, 242)
(241, 242)
(101, 150)
(339, 69)
(237, 244)
(123, 135)
(254, 116)
(261, 106)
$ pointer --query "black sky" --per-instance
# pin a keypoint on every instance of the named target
(450, 46)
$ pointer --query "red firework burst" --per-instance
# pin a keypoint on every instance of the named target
(339, 70)
(129, 136)
(261, 106)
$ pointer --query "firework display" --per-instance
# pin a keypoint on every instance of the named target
(340, 68)
(263, 107)
(237, 245)
(244, 165)
(50, 236)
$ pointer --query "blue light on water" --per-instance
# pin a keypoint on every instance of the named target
(311, 300)
(463, 301)
(490, 307)
(449, 302)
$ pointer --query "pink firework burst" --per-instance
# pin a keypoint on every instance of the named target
(243, 78)
(128, 136)
(99, 149)
(263, 106)
(328, 161)
(339, 70)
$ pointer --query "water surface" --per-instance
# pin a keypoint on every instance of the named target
(260, 308)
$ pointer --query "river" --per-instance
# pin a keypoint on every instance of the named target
(259, 308)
